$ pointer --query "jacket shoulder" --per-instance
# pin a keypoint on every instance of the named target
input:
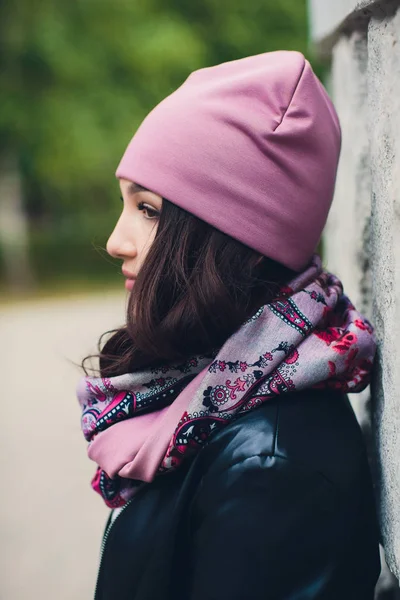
(314, 429)
(288, 488)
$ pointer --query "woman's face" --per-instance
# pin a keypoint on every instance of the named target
(135, 230)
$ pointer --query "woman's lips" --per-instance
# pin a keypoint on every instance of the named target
(129, 283)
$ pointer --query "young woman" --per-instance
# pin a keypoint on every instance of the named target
(224, 439)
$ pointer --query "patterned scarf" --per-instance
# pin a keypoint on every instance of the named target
(145, 423)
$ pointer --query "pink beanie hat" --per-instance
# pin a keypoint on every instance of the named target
(250, 146)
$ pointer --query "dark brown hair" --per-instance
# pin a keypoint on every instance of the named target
(195, 288)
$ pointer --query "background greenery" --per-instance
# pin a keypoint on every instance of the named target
(77, 78)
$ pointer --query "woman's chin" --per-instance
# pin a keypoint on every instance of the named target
(129, 284)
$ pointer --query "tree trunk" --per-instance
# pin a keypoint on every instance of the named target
(14, 235)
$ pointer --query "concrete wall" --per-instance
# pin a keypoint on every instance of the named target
(384, 134)
(326, 15)
(362, 237)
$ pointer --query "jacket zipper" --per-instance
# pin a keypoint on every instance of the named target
(104, 541)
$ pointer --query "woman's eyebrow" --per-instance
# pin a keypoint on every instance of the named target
(133, 188)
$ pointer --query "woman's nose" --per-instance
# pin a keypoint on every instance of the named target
(119, 245)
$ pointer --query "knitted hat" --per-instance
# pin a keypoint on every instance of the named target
(250, 146)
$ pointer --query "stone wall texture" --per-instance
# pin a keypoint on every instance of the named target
(325, 17)
(384, 133)
(362, 236)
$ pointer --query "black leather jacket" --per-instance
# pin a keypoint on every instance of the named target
(277, 506)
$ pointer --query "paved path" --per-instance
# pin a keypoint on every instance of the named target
(51, 521)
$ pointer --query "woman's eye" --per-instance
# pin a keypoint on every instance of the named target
(152, 213)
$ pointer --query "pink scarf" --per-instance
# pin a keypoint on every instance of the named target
(141, 424)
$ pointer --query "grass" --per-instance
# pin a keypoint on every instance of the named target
(60, 289)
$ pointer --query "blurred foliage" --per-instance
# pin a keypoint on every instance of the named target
(77, 78)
